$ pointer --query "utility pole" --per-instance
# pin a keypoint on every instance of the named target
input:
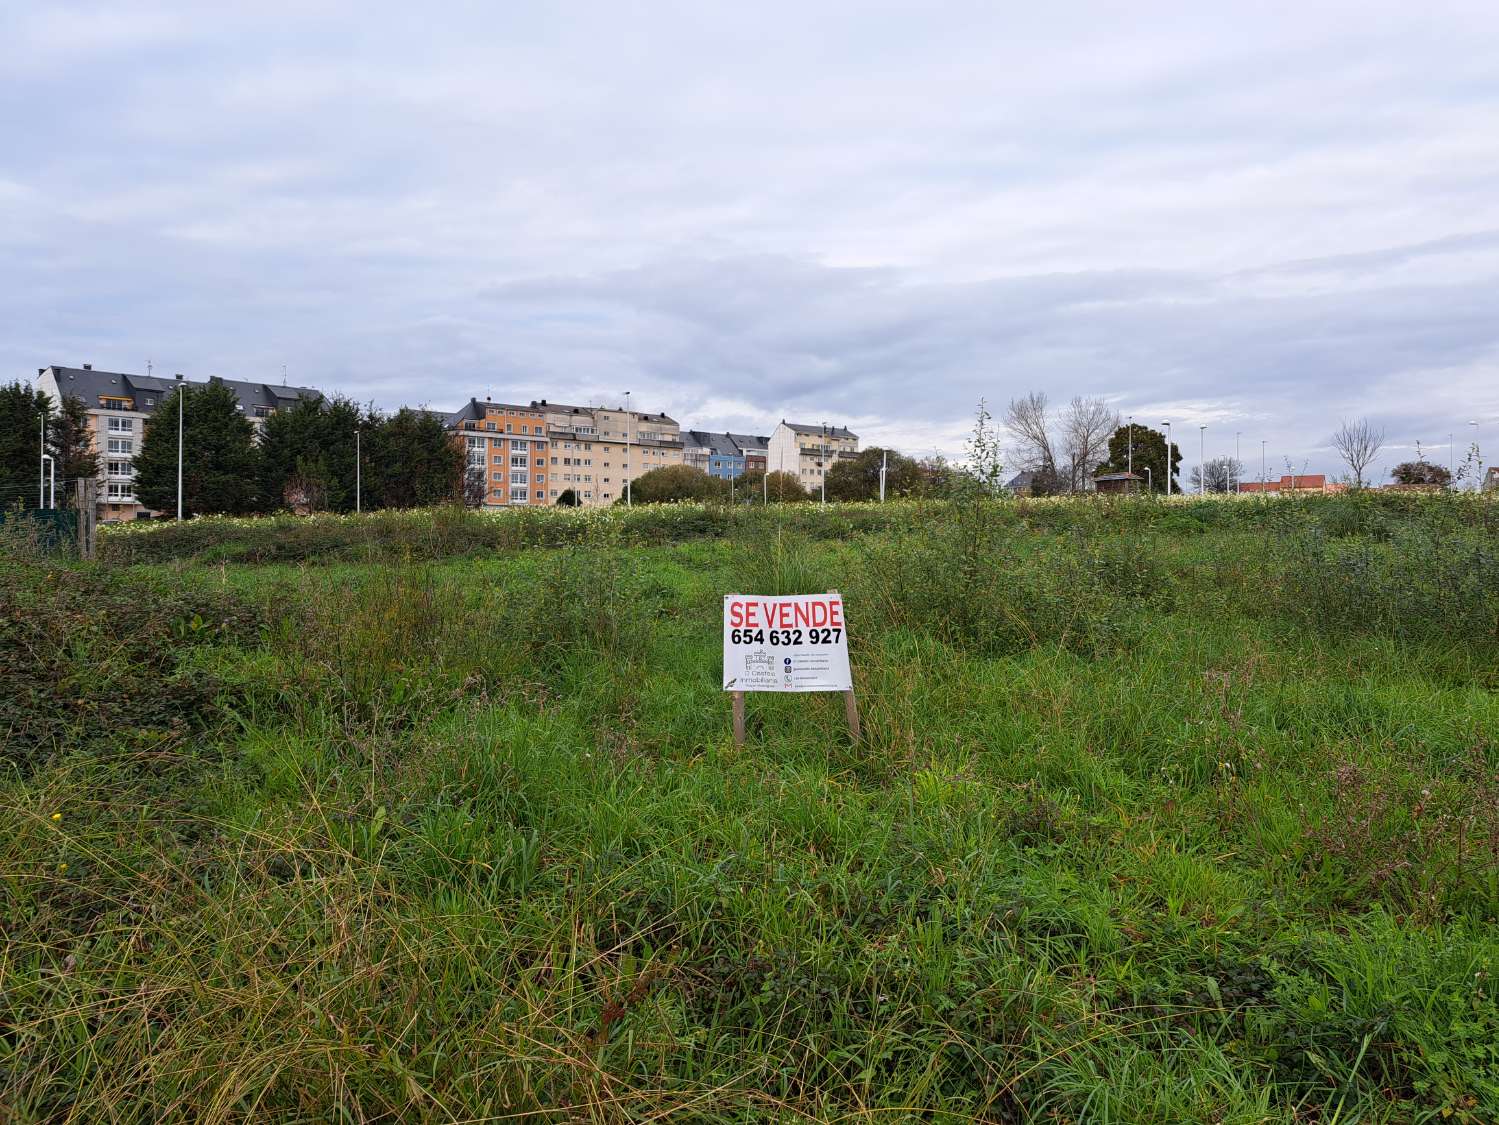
(1167, 426)
(1130, 439)
(823, 474)
(181, 396)
(629, 498)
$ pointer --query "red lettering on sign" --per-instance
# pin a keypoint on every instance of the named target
(835, 614)
(736, 614)
(817, 614)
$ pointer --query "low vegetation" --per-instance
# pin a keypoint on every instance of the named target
(1163, 812)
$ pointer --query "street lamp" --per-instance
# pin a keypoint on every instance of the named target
(1202, 459)
(1478, 453)
(629, 498)
(358, 481)
(1238, 469)
(181, 397)
(1262, 465)
(1130, 441)
(41, 467)
(51, 464)
(1167, 426)
(1149, 480)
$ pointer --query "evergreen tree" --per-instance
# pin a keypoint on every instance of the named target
(22, 409)
(1149, 453)
(72, 443)
(311, 445)
(220, 465)
(412, 461)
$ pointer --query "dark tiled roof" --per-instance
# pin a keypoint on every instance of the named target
(751, 443)
(90, 385)
(832, 431)
(721, 444)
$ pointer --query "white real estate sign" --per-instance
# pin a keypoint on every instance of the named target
(785, 643)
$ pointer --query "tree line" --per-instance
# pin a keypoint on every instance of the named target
(303, 458)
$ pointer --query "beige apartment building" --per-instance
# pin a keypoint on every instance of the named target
(809, 452)
(596, 449)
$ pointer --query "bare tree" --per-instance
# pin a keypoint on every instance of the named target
(1028, 420)
(1357, 443)
(1086, 427)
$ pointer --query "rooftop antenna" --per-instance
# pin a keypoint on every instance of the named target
(148, 368)
(283, 374)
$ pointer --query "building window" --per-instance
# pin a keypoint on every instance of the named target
(122, 425)
(499, 478)
(150, 402)
(263, 412)
(121, 445)
(119, 468)
(490, 426)
(518, 476)
(509, 429)
(121, 493)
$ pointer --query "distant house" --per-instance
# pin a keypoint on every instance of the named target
(809, 452)
(724, 455)
(1491, 479)
(1290, 482)
(1021, 484)
(1117, 482)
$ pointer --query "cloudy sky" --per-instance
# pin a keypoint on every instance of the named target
(871, 213)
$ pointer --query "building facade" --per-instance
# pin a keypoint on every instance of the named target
(118, 404)
(809, 452)
(507, 449)
(595, 450)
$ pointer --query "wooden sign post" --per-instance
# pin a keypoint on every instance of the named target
(786, 643)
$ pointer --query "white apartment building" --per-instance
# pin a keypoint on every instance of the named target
(596, 449)
(808, 452)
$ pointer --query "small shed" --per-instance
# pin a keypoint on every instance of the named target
(1118, 482)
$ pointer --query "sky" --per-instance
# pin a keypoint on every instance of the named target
(1262, 218)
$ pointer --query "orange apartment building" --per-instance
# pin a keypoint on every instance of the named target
(508, 446)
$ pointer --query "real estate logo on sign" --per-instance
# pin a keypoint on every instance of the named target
(785, 643)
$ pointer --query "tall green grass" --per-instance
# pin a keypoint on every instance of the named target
(1155, 818)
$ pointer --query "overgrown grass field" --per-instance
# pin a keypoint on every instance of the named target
(1162, 813)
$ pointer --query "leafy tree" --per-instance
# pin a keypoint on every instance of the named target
(858, 478)
(675, 482)
(412, 461)
(778, 487)
(220, 465)
(1149, 453)
(568, 499)
(1220, 472)
(1421, 472)
(311, 444)
(22, 409)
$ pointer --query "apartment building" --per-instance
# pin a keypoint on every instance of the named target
(507, 449)
(724, 455)
(118, 404)
(808, 452)
(596, 449)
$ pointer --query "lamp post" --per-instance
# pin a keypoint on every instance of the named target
(1262, 465)
(1478, 453)
(181, 397)
(1202, 459)
(629, 498)
(884, 463)
(1167, 427)
(1129, 438)
(358, 493)
(51, 464)
(823, 472)
(41, 467)
(1238, 469)
(1149, 480)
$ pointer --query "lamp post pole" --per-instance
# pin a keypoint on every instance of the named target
(629, 497)
(358, 480)
(1478, 453)
(181, 397)
(823, 473)
(1129, 437)
(884, 463)
(1167, 426)
(41, 467)
(1262, 465)
(1238, 469)
(1202, 459)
